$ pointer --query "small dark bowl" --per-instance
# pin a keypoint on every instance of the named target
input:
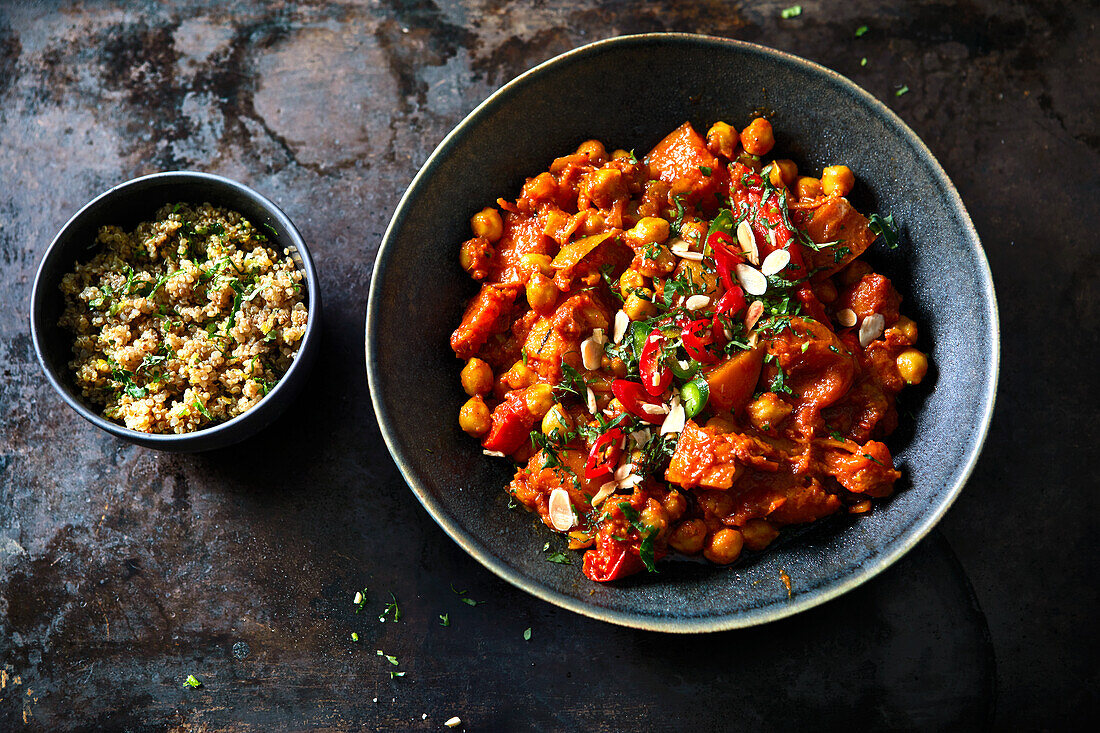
(127, 205)
(629, 92)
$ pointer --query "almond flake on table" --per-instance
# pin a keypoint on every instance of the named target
(561, 510)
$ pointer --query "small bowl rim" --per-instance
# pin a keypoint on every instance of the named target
(704, 624)
(212, 433)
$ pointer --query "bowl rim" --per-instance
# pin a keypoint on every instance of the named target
(210, 434)
(740, 619)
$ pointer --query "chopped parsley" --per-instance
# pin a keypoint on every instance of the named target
(192, 681)
(883, 226)
(557, 556)
(444, 619)
(392, 610)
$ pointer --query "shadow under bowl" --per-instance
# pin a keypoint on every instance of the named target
(127, 205)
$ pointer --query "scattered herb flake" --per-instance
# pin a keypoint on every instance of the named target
(792, 12)
(354, 636)
(903, 90)
(705, 170)
(444, 619)
(863, 61)
(469, 601)
(527, 634)
(192, 681)
(392, 610)
(861, 30)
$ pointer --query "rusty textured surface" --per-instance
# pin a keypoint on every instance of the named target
(123, 570)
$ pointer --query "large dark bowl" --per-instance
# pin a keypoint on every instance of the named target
(629, 92)
(127, 205)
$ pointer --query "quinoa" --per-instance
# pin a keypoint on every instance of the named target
(183, 323)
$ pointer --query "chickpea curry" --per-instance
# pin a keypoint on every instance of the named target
(683, 353)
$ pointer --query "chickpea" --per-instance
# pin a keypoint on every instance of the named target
(688, 537)
(717, 504)
(638, 308)
(542, 293)
(631, 279)
(477, 377)
(783, 173)
(854, 272)
(520, 376)
(693, 232)
(619, 368)
(724, 546)
(807, 187)
(649, 229)
(837, 180)
(474, 255)
(654, 515)
(722, 140)
(825, 291)
(675, 505)
(758, 138)
(474, 417)
(621, 154)
(487, 223)
(540, 398)
(907, 328)
(768, 410)
(662, 264)
(594, 149)
(758, 534)
(604, 186)
(538, 262)
(556, 418)
(912, 365)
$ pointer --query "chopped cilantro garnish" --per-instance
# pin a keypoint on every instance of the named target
(861, 30)
(192, 681)
(884, 227)
(792, 12)
(444, 619)
(705, 170)
(391, 610)
(527, 634)
(903, 90)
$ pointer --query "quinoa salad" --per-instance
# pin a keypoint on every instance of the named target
(185, 322)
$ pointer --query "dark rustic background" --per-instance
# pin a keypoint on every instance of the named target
(123, 570)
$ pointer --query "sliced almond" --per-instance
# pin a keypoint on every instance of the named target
(599, 336)
(453, 722)
(676, 419)
(591, 353)
(605, 491)
(871, 329)
(623, 471)
(774, 263)
(622, 320)
(695, 302)
(752, 280)
(651, 409)
(747, 239)
(590, 401)
(630, 481)
(493, 453)
(641, 437)
(846, 317)
(689, 255)
(561, 510)
(678, 244)
(752, 315)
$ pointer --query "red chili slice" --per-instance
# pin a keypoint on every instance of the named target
(656, 377)
(610, 560)
(632, 396)
(695, 345)
(601, 463)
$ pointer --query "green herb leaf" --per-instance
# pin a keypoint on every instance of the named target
(705, 170)
(903, 90)
(354, 636)
(391, 610)
(527, 634)
(444, 619)
(559, 557)
(192, 681)
(792, 12)
(863, 61)
(469, 601)
(883, 226)
(861, 30)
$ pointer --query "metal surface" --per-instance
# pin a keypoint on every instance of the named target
(123, 570)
